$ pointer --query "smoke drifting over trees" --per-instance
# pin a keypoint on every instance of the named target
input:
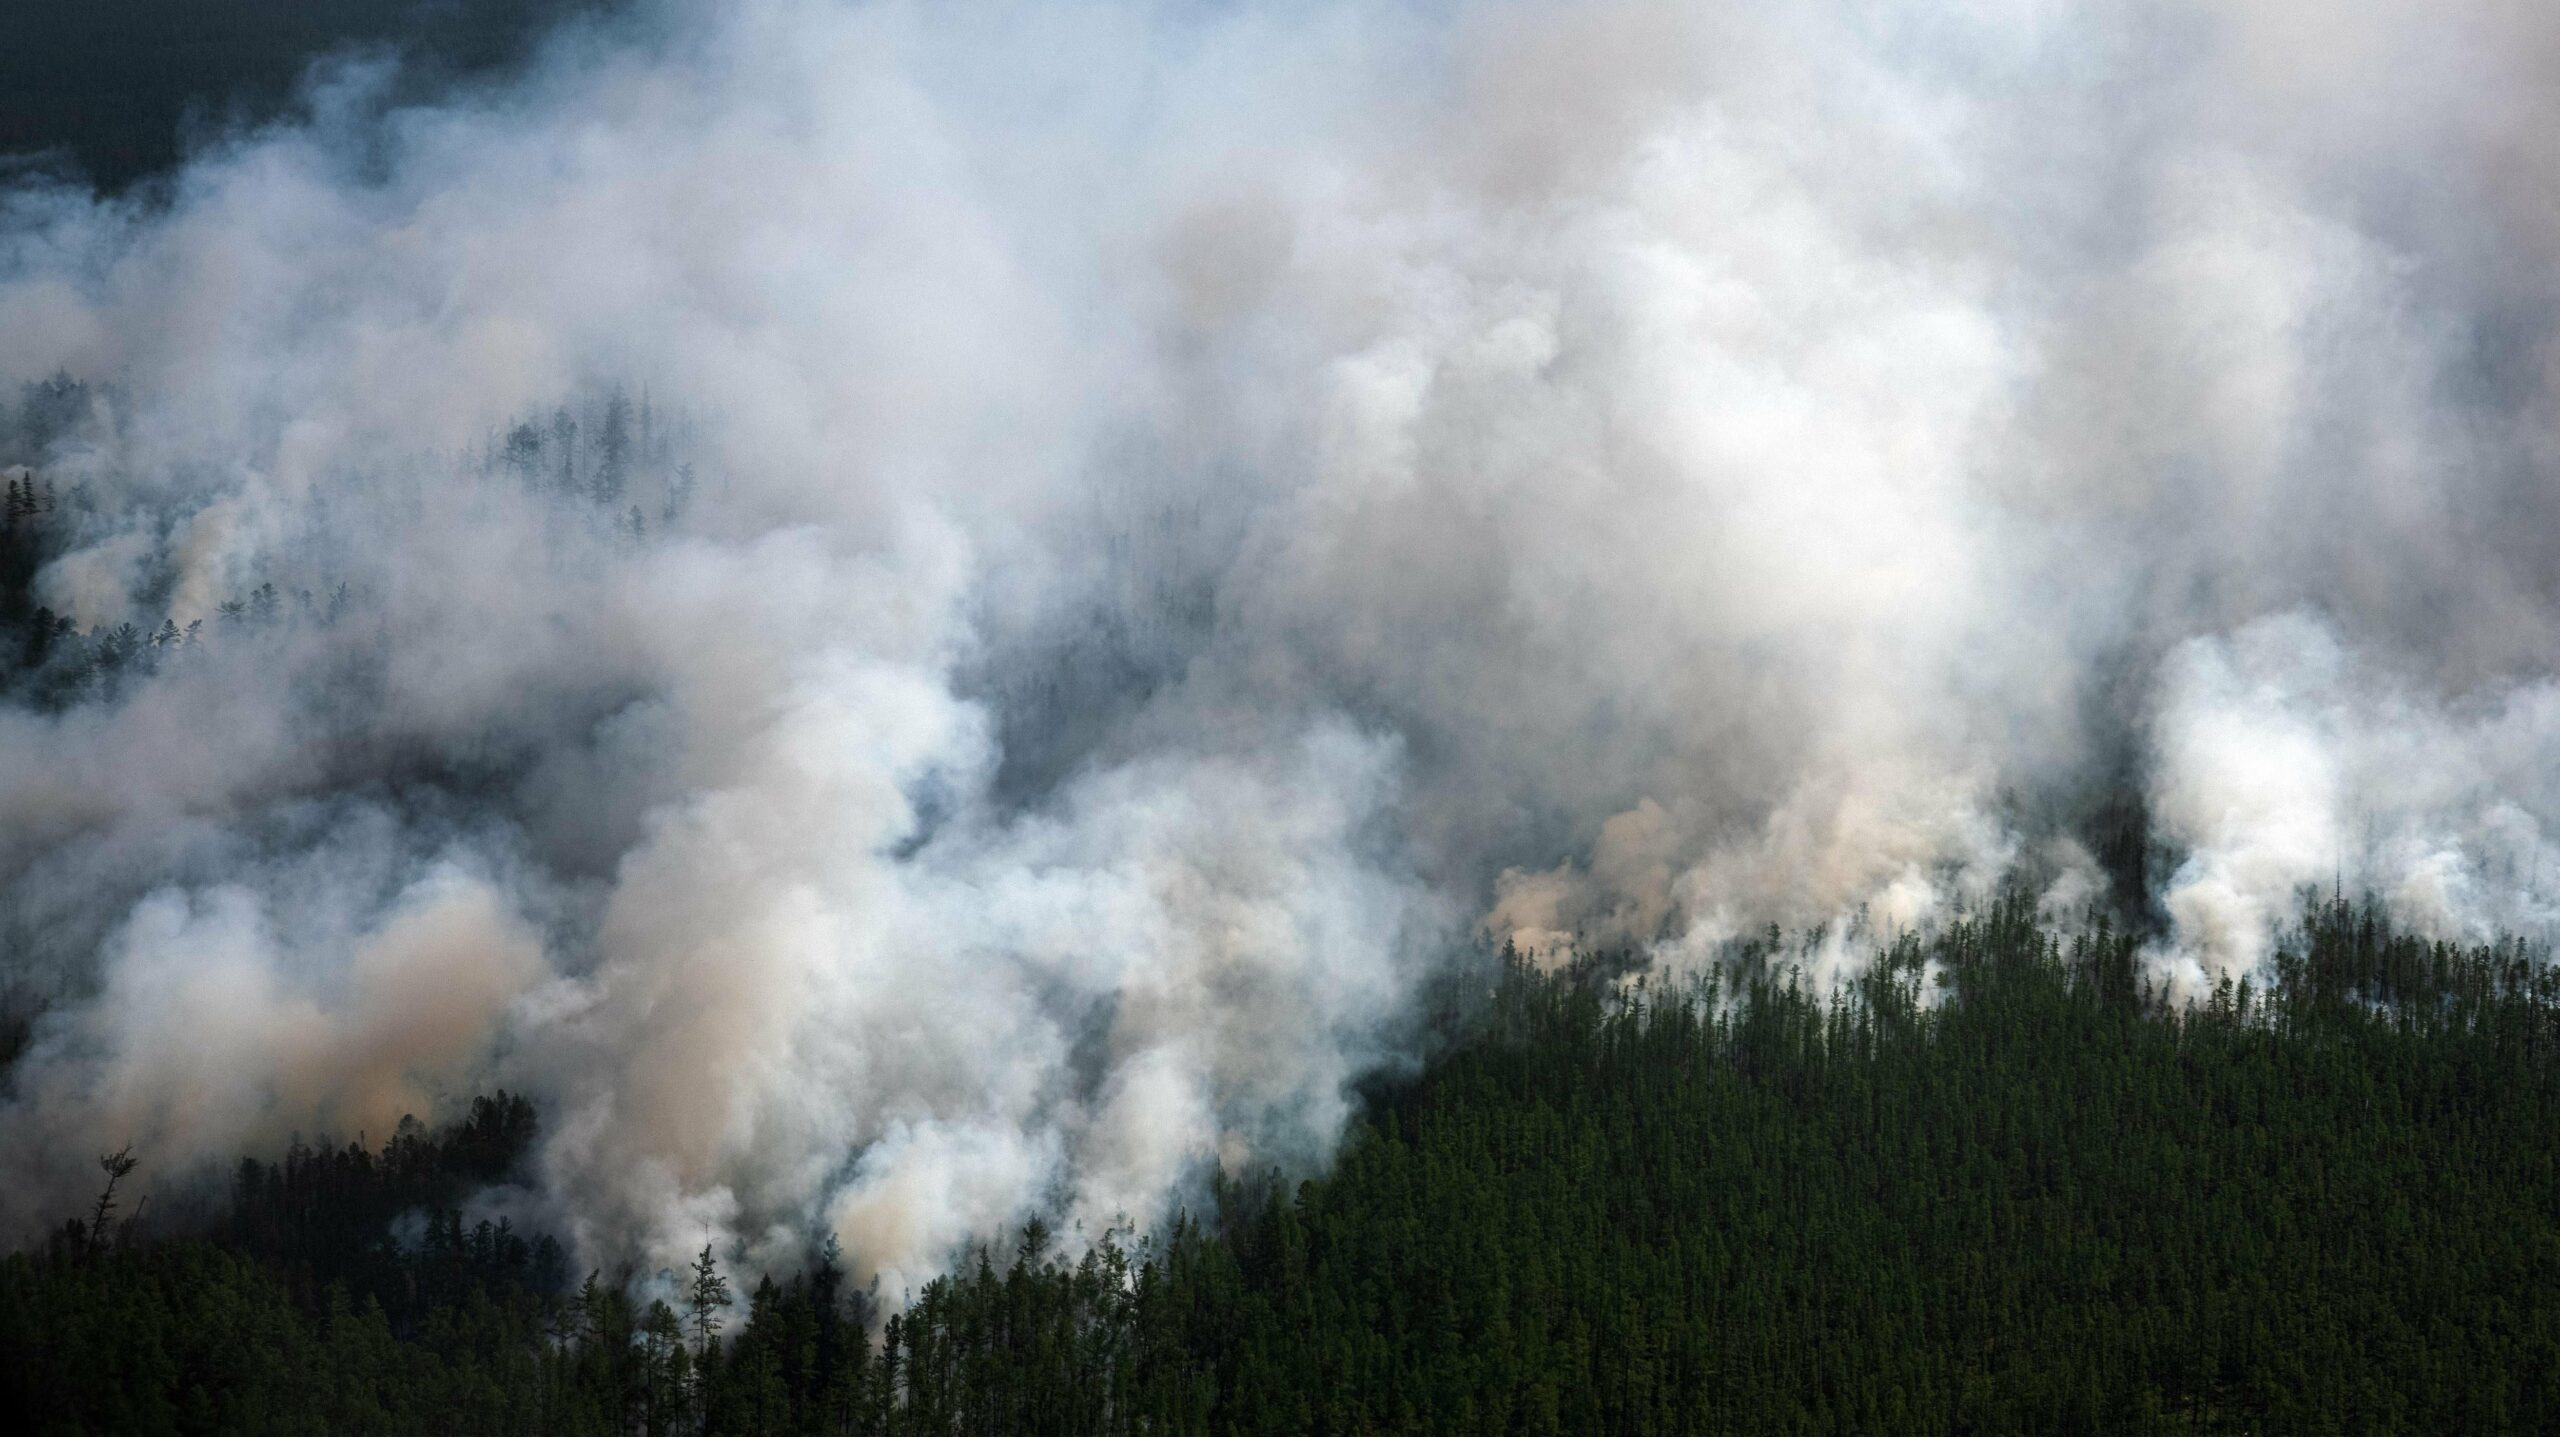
(916, 616)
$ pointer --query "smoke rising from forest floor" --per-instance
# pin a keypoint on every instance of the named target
(915, 615)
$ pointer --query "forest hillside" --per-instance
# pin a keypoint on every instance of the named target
(1994, 1187)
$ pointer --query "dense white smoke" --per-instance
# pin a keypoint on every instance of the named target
(919, 614)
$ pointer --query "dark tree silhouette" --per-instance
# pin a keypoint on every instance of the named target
(116, 1165)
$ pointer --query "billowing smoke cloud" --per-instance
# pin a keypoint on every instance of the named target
(917, 615)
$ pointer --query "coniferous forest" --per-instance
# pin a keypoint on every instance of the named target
(815, 627)
(1993, 1186)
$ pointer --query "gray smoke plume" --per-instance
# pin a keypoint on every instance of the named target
(920, 614)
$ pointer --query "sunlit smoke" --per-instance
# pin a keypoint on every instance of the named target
(920, 615)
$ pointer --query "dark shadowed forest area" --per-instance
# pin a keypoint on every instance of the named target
(114, 91)
(1994, 1187)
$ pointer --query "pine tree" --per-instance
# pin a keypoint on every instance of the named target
(116, 1165)
(704, 1297)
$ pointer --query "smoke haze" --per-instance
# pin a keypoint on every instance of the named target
(918, 615)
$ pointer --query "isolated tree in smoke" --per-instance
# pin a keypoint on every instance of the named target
(704, 1297)
(117, 1166)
